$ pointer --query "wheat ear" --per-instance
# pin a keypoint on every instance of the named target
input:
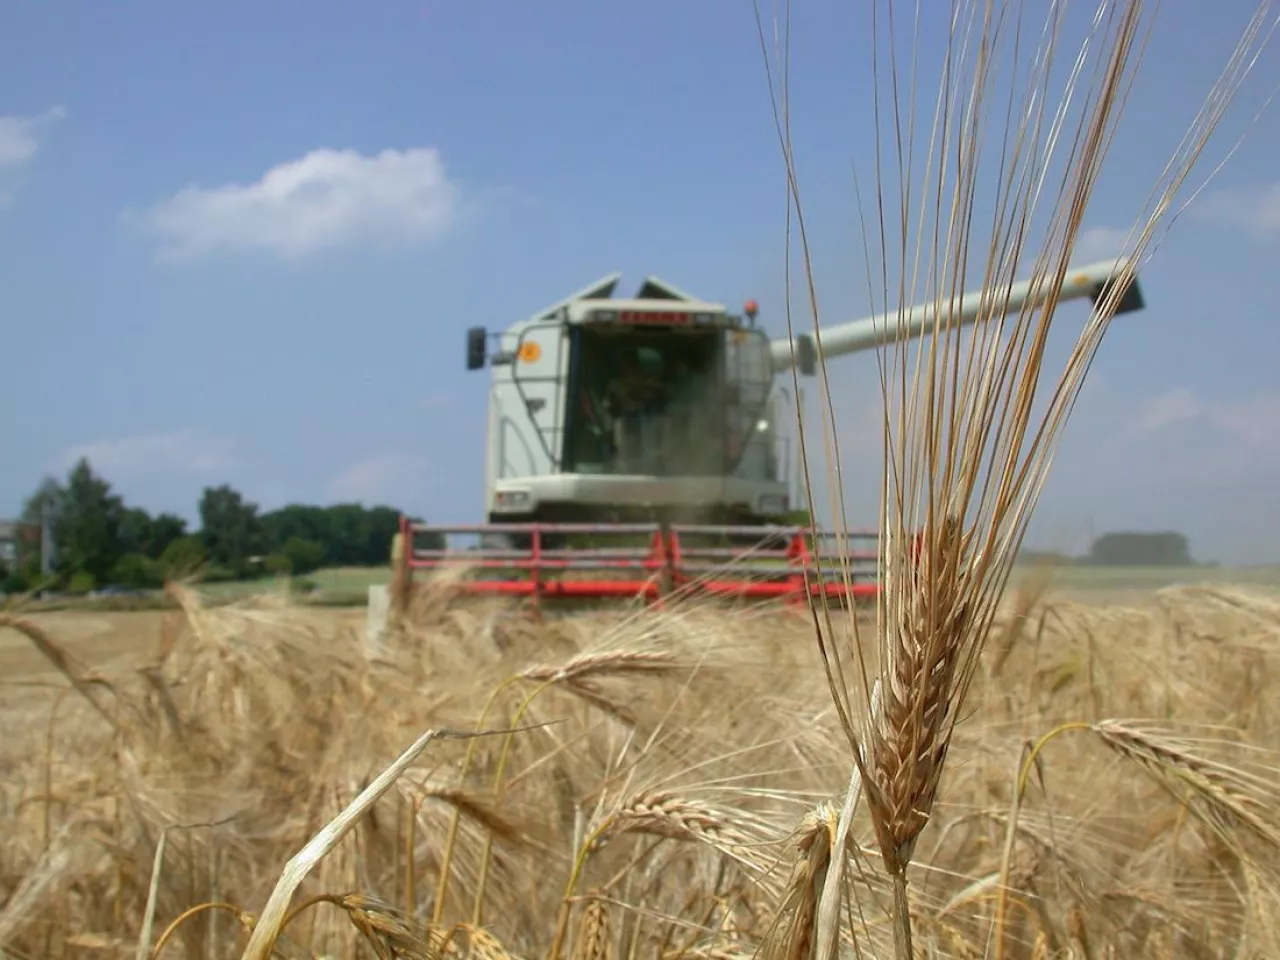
(966, 449)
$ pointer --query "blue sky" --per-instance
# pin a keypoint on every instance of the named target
(241, 242)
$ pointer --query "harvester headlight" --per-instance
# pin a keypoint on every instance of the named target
(511, 499)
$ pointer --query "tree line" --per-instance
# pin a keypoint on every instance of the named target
(100, 540)
(1165, 548)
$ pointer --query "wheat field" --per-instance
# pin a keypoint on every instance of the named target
(670, 791)
(968, 771)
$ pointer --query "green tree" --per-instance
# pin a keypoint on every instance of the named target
(89, 524)
(1128, 549)
(382, 525)
(348, 534)
(147, 535)
(351, 534)
(165, 529)
(296, 520)
(135, 530)
(230, 528)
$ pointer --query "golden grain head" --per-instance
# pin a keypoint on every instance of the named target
(662, 760)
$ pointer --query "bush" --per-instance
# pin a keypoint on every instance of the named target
(278, 565)
(15, 582)
(219, 574)
(81, 583)
(183, 557)
(303, 555)
(135, 570)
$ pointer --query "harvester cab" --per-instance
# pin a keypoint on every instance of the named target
(659, 406)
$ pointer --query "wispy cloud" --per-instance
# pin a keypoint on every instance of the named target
(1219, 436)
(1100, 243)
(387, 478)
(183, 452)
(1254, 421)
(1255, 209)
(20, 140)
(323, 199)
(1166, 409)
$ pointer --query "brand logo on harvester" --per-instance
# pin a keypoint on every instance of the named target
(653, 316)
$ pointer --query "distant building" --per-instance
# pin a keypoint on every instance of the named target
(9, 543)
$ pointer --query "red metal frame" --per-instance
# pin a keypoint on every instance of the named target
(671, 562)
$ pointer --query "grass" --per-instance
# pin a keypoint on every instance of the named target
(342, 581)
(1087, 579)
(347, 587)
(355, 582)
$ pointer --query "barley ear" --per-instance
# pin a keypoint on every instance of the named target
(971, 422)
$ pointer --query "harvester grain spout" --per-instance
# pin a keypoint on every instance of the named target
(1094, 281)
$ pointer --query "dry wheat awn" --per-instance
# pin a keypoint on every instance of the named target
(1010, 160)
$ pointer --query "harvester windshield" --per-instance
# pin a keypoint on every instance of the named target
(663, 403)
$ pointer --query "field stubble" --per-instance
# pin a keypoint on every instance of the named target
(672, 792)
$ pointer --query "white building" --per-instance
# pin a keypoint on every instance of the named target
(8, 543)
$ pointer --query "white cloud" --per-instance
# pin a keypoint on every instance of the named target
(1166, 409)
(1100, 243)
(181, 452)
(1225, 438)
(21, 137)
(325, 198)
(1253, 421)
(1254, 209)
(20, 141)
(384, 478)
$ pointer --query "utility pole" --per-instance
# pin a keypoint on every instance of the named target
(46, 538)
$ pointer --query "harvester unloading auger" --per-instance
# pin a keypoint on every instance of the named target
(638, 445)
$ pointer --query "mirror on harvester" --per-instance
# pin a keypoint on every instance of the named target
(475, 348)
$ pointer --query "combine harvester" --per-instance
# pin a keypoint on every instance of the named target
(642, 445)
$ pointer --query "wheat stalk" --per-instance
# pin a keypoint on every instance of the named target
(966, 450)
(614, 662)
(795, 936)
